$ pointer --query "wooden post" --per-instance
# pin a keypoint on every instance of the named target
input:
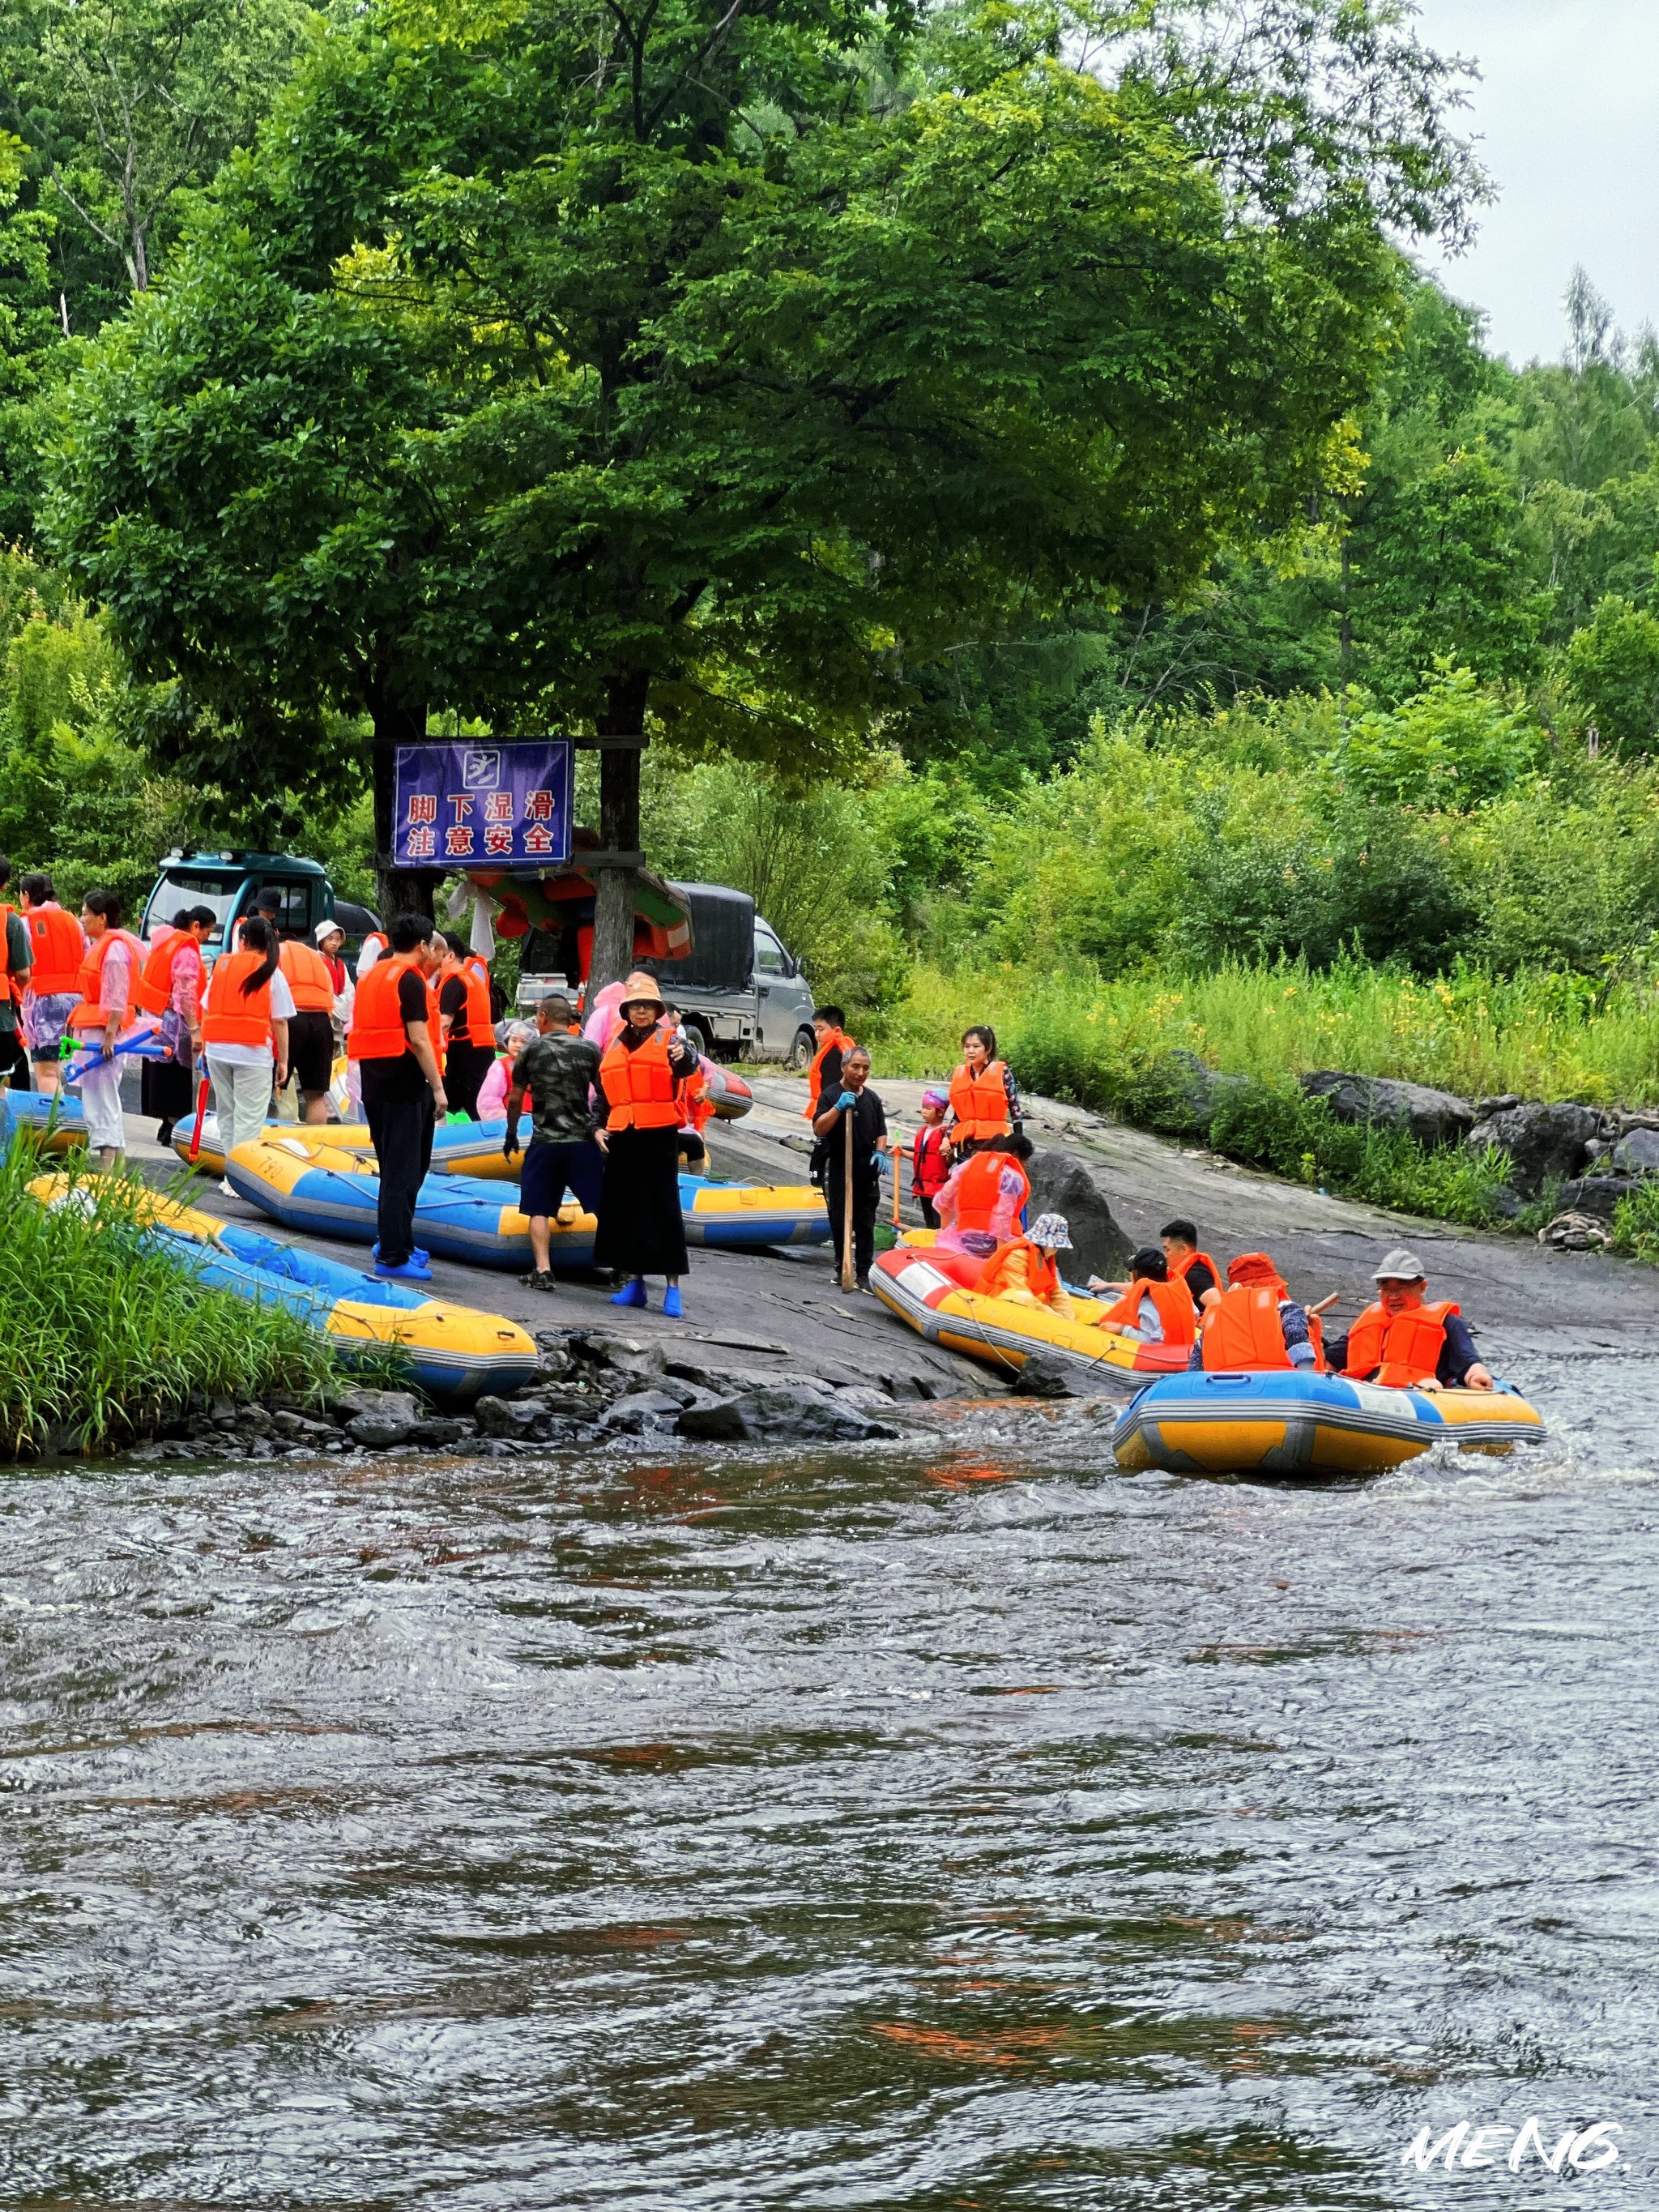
(897, 1155)
(849, 1281)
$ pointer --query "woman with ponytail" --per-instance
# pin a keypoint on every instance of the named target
(245, 1030)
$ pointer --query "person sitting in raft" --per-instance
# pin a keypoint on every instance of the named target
(1153, 1309)
(1187, 1263)
(1407, 1341)
(1255, 1323)
(1026, 1271)
(980, 1207)
(984, 1104)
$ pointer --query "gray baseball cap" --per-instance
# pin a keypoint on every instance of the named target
(1401, 1266)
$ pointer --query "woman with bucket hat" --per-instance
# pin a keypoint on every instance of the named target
(641, 1232)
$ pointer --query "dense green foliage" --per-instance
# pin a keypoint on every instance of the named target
(105, 1337)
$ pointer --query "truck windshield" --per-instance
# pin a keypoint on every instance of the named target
(192, 887)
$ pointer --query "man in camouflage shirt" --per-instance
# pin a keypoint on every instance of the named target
(559, 1070)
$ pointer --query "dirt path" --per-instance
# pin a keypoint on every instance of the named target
(782, 1312)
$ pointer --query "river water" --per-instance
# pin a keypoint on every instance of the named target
(953, 1823)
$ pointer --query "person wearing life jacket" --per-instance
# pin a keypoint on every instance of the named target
(17, 959)
(170, 985)
(1187, 1264)
(1026, 1272)
(930, 1164)
(1152, 1308)
(984, 1103)
(396, 1043)
(556, 1068)
(641, 1230)
(696, 1107)
(56, 949)
(376, 942)
(102, 1011)
(492, 1092)
(245, 1018)
(856, 1107)
(980, 1207)
(1407, 1341)
(1255, 1325)
(311, 1026)
(829, 1027)
(469, 1032)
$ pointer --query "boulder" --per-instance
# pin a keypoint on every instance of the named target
(1574, 1232)
(1432, 1117)
(1061, 1184)
(511, 1418)
(1042, 1376)
(778, 1414)
(1545, 1143)
(297, 1429)
(1636, 1153)
(641, 1411)
(378, 1419)
(442, 1429)
(1598, 1195)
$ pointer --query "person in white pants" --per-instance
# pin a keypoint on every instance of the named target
(107, 979)
(244, 1067)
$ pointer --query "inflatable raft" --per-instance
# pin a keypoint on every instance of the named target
(472, 1148)
(1301, 1424)
(333, 1193)
(452, 1352)
(740, 1216)
(932, 1290)
(55, 1124)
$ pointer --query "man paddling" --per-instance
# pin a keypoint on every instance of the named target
(1407, 1341)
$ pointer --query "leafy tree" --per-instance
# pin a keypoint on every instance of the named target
(725, 360)
(1613, 667)
(1450, 746)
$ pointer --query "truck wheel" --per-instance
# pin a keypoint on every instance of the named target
(801, 1052)
(698, 1036)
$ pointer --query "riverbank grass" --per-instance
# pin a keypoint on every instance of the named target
(105, 1337)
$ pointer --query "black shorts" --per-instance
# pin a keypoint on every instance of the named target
(551, 1169)
(311, 1049)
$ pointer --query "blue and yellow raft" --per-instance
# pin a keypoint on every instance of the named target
(53, 1123)
(471, 1148)
(452, 1352)
(1295, 1423)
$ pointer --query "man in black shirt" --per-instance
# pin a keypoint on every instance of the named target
(403, 1092)
(855, 1098)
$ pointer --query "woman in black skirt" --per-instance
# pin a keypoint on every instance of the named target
(641, 1232)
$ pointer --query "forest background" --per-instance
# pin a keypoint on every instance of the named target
(1378, 792)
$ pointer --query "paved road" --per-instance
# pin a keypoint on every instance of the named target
(778, 1312)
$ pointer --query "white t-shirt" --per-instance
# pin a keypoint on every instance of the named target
(283, 1009)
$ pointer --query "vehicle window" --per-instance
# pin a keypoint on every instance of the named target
(186, 887)
(294, 917)
(769, 955)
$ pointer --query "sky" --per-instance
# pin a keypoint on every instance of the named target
(1567, 113)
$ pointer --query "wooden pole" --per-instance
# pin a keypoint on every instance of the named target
(848, 1278)
(895, 1153)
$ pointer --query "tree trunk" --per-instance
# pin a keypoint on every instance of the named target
(399, 890)
(619, 832)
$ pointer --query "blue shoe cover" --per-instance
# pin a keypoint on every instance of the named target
(413, 1270)
(421, 1259)
(671, 1302)
(631, 1294)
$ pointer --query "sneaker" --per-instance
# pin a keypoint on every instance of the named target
(671, 1302)
(539, 1278)
(864, 1282)
(631, 1294)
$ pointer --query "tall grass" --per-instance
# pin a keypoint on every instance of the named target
(1543, 1035)
(105, 1338)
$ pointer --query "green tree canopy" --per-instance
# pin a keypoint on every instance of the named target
(726, 360)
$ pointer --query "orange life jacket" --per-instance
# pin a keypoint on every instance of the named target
(639, 1086)
(1399, 1350)
(696, 1107)
(10, 985)
(308, 977)
(154, 989)
(1174, 1304)
(838, 1039)
(1245, 1331)
(231, 1015)
(1191, 1260)
(377, 1029)
(89, 1014)
(1041, 1275)
(979, 1191)
(979, 1103)
(58, 947)
(475, 1015)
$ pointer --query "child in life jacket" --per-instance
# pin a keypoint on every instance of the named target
(492, 1092)
(930, 1164)
(1152, 1308)
(1027, 1273)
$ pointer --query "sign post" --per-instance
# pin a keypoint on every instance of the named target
(476, 804)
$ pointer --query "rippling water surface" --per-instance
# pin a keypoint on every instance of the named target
(958, 1823)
